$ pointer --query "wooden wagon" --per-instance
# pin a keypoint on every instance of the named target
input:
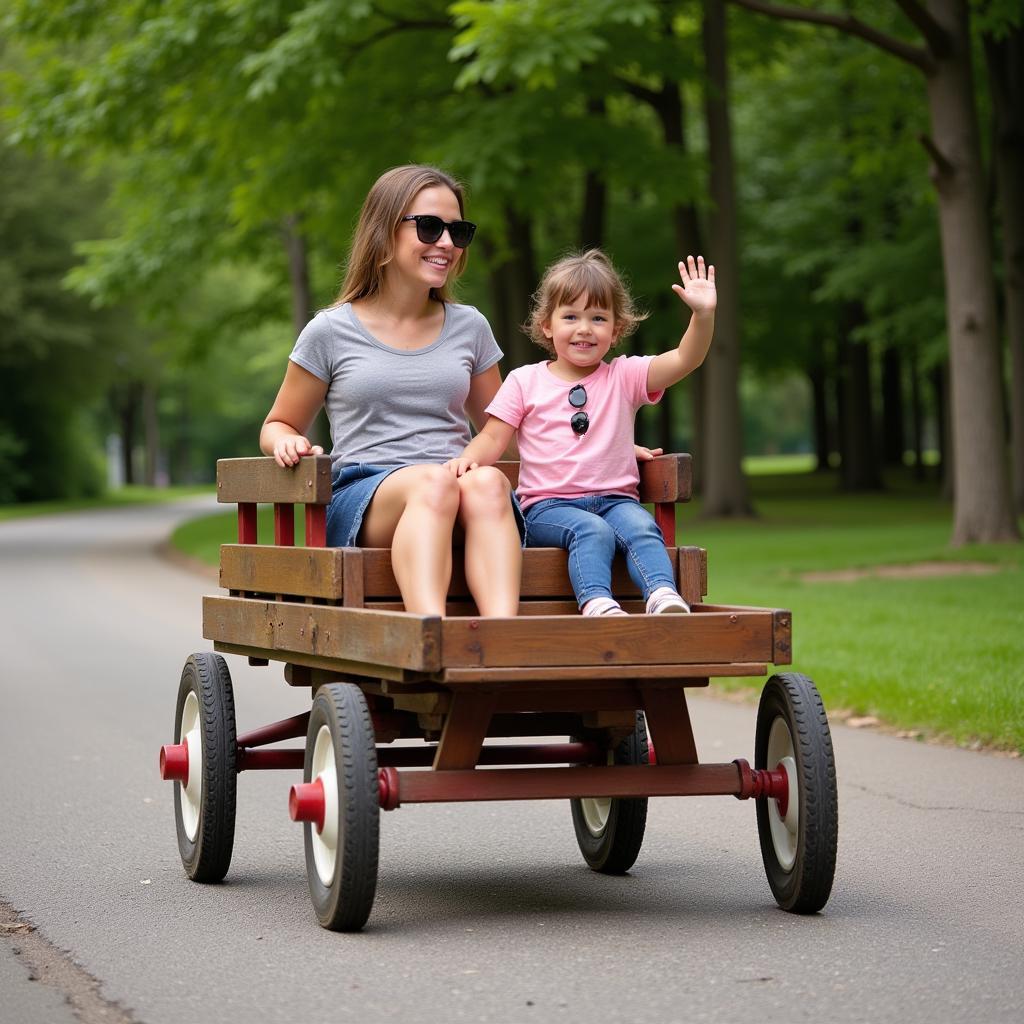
(610, 692)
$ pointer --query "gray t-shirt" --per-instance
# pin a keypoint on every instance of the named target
(386, 405)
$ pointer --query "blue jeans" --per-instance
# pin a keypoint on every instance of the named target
(592, 529)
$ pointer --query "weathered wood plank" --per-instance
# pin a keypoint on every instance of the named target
(684, 675)
(465, 729)
(354, 634)
(782, 623)
(693, 573)
(335, 667)
(264, 569)
(263, 480)
(545, 574)
(668, 721)
(352, 586)
(667, 478)
(734, 636)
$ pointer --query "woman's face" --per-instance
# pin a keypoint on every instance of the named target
(428, 264)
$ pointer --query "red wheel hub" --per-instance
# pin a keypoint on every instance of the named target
(306, 803)
(174, 762)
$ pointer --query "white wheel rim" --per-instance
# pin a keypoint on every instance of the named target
(325, 842)
(595, 812)
(784, 831)
(192, 791)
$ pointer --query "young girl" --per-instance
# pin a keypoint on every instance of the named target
(398, 366)
(574, 416)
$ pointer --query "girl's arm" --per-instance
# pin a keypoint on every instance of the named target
(698, 292)
(486, 448)
(297, 403)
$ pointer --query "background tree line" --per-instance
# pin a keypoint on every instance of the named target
(192, 171)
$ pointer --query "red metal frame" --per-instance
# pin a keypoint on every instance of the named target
(284, 525)
(665, 517)
(247, 532)
(316, 526)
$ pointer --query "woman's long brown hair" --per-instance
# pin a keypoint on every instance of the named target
(374, 243)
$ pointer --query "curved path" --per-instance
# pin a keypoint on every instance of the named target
(484, 912)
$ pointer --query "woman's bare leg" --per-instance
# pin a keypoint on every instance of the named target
(413, 513)
(494, 553)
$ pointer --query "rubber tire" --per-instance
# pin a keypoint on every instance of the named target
(614, 850)
(805, 887)
(208, 858)
(345, 904)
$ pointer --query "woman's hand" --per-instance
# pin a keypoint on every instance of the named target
(289, 448)
(698, 287)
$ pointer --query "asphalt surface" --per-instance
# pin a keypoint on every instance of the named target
(484, 912)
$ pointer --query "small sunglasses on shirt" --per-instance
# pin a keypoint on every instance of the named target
(430, 228)
(580, 421)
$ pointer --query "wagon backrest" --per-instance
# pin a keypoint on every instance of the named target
(358, 577)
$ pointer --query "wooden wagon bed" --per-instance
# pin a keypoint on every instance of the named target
(592, 710)
(336, 613)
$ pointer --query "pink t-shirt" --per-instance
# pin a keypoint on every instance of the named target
(555, 461)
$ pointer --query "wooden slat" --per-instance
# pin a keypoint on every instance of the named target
(263, 569)
(782, 622)
(465, 729)
(684, 675)
(668, 721)
(336, 667)
(666, 478)
(353, 589)
(742, 636)
(263, 480)
(354, 634)
(545, 574)
(693, 574)
(284, 524)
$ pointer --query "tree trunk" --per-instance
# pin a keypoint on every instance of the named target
(595, 194)
(858, 452)
(151, 433)
(298, 272)
(982, 509)
(893, 443)
(819, 399)
(940, 389)
(725, 487)
(917, 417)
(513, 279)
(126, 404)
(1005, 58)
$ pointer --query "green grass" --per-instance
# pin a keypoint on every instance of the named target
(133, 495)
(943, 655)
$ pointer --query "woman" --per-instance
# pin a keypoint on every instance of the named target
(399, 366)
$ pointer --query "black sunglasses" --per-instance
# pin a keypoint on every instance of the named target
(580, 421)
(429, 228)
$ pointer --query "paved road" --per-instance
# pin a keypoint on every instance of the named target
(484, 912)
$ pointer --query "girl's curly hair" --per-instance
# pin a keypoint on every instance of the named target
(589, 273)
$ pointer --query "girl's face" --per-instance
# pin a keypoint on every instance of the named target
(427, 263)
(581, 333)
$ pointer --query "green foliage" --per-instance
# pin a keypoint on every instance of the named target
(53, 358)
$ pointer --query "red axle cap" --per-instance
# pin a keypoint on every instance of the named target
(306, 803)
(174, 762)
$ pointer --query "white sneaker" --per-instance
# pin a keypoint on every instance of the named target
(602, 606)
(665, 600)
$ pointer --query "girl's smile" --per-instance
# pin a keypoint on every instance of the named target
(581, 335)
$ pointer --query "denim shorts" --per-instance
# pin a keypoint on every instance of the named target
(353, 485)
